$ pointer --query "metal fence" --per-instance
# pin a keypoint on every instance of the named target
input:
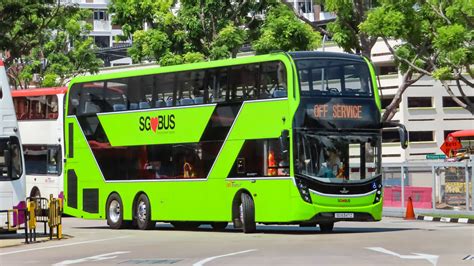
(433, 186)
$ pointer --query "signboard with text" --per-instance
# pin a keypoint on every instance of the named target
(338, 113)
(450, 146)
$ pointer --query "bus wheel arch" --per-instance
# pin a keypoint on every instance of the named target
(114, 211)
(243, 211)
(35, 192)
(142, 211)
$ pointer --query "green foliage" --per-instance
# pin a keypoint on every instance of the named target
(283, 31)
(47, 40)
(210, 29)
(436, 35)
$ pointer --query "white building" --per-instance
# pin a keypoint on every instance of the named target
(426, 109)
(105, 34)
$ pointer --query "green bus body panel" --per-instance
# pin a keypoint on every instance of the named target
(343, 201)
(374, 84)
(277, 199)
(265, 119)
(123, 129)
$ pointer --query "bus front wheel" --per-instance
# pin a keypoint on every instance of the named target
(247, 213)
(326, 227)
(143, 213)
(115, 212)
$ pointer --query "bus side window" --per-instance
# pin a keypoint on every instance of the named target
(52, 107)
(164, 87)
(21, 107)
(217, 80)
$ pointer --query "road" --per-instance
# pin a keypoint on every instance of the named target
(390, 242)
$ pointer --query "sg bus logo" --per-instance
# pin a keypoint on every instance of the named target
(156, 123)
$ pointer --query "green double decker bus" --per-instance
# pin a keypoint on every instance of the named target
(283, 138)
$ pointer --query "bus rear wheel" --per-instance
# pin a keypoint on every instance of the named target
(143, 213)
(247, 213)
(115, 212)
(326, 227)
(219, 226)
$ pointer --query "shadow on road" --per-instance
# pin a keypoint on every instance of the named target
(269, 229)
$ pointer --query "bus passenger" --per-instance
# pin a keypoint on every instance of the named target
(330, 168)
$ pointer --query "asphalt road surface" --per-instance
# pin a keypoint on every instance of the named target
(390, 242)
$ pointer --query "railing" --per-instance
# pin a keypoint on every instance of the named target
(434, 186)
(38, 210)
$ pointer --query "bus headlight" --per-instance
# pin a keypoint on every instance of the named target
(378, 194)
(303, 189)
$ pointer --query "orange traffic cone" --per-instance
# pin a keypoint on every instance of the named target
(410, 213)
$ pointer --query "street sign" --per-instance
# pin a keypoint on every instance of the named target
(435, 157)
(450, 145)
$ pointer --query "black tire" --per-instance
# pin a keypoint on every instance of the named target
(114, 212)
(185, 225)
(219, 226)
(247, 214)
(326, 227)
(142, 213)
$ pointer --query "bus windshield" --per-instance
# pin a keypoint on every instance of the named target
(333, 77)
(11, 145)
(337, 158)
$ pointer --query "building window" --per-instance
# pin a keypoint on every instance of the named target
(449, 102)
(387, 70)
(386, 101)
(447, 132)
(390, 136)
(102, 41)
(414, 102)
(100, 15)
(417, 136)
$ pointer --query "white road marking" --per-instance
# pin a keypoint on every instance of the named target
(418, 256)
(202, 262)
(106, 256)
(65, 245)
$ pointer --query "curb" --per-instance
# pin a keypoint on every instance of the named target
(445, 219)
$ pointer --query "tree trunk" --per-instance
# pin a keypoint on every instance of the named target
(468, 107)
(391, 109)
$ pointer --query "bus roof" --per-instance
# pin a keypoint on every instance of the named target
(39, 92)
(317, 54)
(462, 133)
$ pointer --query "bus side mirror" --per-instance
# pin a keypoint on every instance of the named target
(402, 132)
(8, 162)
(284, 142)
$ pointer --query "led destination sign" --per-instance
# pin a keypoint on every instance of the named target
(338, 111)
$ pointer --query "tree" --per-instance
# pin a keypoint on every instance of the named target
(344, 30)
(46, 39)
(283, 31)
(208, 29)
(437, 41)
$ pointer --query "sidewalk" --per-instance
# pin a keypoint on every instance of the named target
(10, 240)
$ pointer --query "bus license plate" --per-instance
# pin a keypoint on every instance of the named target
(345, 215)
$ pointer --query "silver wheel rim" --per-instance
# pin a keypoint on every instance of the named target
(141, 211)
(241, 207)
(114, 211)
